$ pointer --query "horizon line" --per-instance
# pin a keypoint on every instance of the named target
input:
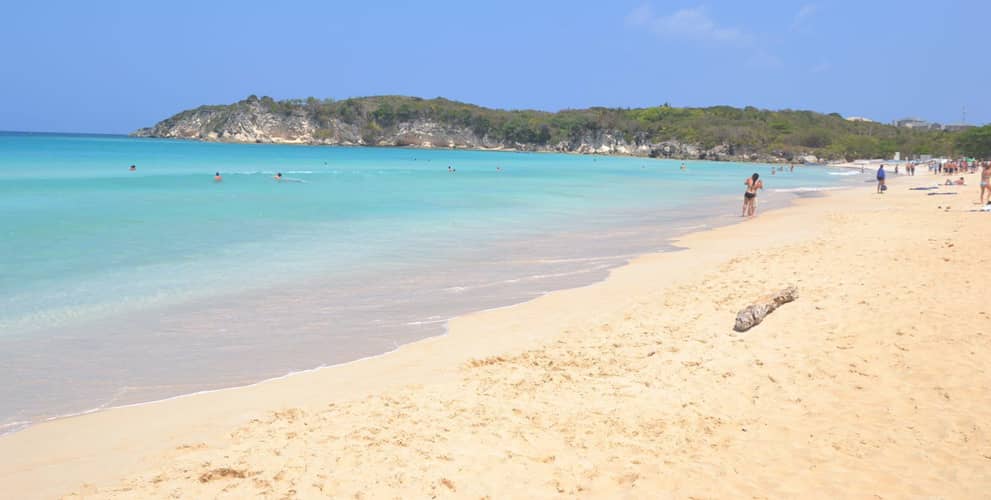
(50, 132)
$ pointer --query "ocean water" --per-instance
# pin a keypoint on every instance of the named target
(119, 287)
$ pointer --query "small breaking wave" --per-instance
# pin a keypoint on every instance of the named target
(532, 277)
(805, 189)
(427, 321)
(12, 427)
(565, 260)
(269, 172)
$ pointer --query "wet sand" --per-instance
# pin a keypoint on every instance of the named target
(874, 382)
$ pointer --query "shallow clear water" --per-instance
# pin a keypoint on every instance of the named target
(119, 287)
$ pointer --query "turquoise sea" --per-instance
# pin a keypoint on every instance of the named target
(119, 287)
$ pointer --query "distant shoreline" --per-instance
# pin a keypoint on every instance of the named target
(377, 146)
(458, 148)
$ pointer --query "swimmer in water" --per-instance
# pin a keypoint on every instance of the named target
(217, 177)
(132, 168)
(682, 166)
(278, 177)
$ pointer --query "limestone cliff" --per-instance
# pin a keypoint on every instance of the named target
(436, 123)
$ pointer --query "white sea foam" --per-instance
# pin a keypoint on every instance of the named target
(806, 189)
(579, 259)
(531, 277)
(12, 427)
(426, 322)
(270, 172)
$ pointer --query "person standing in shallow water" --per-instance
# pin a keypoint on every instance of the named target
(753, 183)
(217, 177)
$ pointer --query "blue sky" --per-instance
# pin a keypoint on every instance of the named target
(111, 67)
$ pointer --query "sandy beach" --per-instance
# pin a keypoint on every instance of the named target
(874, 383)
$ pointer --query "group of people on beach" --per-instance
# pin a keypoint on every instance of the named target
(964, 166)
(961, 166)
(948, 168)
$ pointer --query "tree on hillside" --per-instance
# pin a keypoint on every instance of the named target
(975, 142)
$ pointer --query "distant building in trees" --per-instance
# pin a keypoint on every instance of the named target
(954, 127)
(912, 123)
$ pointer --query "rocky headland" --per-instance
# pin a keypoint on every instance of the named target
(718, 133)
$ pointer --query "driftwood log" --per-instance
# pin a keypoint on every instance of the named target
(753, 314)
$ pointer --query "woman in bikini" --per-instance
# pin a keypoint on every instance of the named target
(986, 183)
(753, 183)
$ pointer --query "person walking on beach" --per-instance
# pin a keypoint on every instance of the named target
(753, 183)
(986, 183)
(880, 179)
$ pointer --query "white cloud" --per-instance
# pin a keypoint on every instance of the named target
(697, 25)
(803, 15)
(688, 24)
(821, 67)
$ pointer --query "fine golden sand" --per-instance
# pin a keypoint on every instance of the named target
(874, 383)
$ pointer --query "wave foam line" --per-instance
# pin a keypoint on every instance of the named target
(805, 189)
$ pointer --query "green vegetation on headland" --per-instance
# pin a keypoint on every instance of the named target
(975, 142)
(718, 132)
